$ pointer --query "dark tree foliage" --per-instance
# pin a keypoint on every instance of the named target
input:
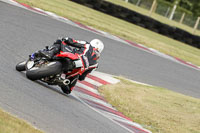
(196, 8)
(186, 4)
(171, 1)
(190, 5)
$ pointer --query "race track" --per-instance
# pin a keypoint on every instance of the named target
(23, 32)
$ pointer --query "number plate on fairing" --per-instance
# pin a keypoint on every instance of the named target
(78, 63)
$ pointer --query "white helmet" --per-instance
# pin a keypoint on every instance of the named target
(98, 44)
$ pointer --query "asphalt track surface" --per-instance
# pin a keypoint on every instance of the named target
(23, 32)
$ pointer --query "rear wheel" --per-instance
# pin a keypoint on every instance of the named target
(21, 66)
(47, 70)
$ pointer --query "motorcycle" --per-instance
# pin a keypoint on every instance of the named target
(56, 71)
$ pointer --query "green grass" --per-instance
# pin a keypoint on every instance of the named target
(157, 109)
(118, 27)
(10, 124)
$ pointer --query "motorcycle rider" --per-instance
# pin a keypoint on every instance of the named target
(88, 52)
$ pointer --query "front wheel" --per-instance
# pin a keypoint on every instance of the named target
(21, 66)
(52, 68)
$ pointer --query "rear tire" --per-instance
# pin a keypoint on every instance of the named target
(50, 69)
(21, 66)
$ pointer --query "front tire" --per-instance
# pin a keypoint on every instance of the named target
(50, 69)
(21, 66)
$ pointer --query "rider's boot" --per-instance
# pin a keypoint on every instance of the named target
(66, 89)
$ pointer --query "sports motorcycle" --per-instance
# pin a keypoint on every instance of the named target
(55, 71)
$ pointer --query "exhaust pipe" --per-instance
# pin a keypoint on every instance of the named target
(66, 82)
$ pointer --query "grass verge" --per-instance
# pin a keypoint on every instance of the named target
(118, 27)
(157, 109)
(10, 124)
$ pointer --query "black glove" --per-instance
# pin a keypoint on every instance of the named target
(58, 41)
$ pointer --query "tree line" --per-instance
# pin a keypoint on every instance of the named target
(190, 5)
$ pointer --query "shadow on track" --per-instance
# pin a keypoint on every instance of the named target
(49, 87)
